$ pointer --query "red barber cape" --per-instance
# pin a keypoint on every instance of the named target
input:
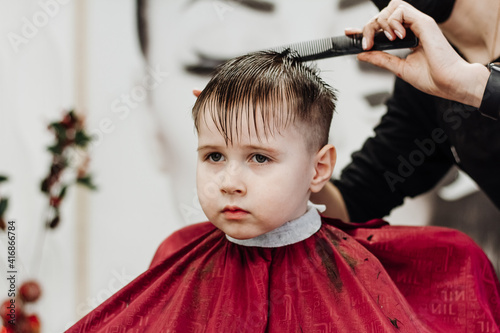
(368, 277)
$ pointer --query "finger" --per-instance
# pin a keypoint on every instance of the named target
(376, 24)
(196, 92)
(379, 22)
(384, 24)
(384, 16)
(384, 60)
(396, 21)
(408, 16)
(369, 31)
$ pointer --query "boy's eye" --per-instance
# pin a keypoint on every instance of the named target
(215, 157)
(259, 158)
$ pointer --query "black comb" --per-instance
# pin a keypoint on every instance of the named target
(344, 45)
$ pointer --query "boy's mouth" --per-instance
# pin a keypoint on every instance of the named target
(234, 212)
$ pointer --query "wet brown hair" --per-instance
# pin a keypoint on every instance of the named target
(275, 86)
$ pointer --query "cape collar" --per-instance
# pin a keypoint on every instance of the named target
(289, 233)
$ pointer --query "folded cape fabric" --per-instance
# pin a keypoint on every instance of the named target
(368, 277)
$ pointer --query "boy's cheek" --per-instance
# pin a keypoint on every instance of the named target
(206, 205)
(207, 188)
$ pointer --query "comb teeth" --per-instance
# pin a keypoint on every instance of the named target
(326, 47)
(310, 50)
(343, 45)
(313, 47)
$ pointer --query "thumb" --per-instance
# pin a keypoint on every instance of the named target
(383, 60)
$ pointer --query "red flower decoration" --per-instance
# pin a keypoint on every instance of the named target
(30, 291)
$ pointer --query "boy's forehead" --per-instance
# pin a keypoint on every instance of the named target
(243, 126)
(283, 141)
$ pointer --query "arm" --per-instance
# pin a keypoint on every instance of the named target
(331, 197)
(433, 67)
(392, 165)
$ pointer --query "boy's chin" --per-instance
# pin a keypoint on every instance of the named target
(246, 229)
(242, 234)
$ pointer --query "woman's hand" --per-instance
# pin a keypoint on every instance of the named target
(433, 67)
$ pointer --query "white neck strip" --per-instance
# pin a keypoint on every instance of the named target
(289, 233)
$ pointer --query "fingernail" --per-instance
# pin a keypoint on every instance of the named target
(400, 35)
(363, 43)
(388, 35)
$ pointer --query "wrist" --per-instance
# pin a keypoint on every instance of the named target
(490, 103)
(478, 78)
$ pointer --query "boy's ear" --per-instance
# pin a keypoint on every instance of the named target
(196, 92)
(324, 163)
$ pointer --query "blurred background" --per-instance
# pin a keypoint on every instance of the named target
(129, 67)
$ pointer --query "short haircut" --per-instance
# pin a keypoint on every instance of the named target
(278, 87)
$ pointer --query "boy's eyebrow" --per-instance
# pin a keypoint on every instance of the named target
(248, 147)
(209, 147)
(264, 148)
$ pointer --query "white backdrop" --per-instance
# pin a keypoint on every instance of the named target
(146, 184)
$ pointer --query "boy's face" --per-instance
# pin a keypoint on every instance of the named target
(250, 187)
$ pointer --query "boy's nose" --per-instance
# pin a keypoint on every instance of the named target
(230, 189)
(232, 182)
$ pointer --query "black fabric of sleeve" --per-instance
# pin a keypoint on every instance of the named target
(440, 11)
(378, 178)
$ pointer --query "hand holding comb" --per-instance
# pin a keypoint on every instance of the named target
(344, 45)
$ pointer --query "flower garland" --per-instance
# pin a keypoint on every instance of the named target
(69, 166)
(70, 159)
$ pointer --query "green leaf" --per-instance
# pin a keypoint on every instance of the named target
(56, 149)
(60, 131)
(44, 185)
(82, 139)
(54, 222)
(3, 178)
(3, 205)
(63, 192)
(71, 113)
(86, 181)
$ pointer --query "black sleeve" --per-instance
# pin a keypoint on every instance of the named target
(405, 158)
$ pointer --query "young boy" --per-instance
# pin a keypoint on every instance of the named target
(268, 262)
